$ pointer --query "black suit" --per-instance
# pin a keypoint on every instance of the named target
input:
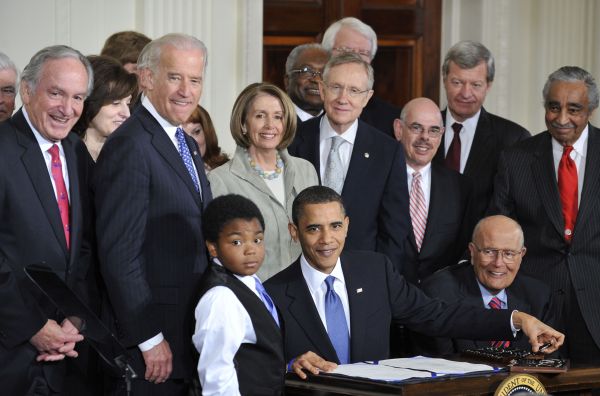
(446, 236)
(375, 192)
(150, 242)
(380, 115)
(526, 189)
(458, 283)
(377, 294)
(31, 232)
(492, 135)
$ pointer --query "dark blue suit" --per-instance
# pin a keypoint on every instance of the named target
(150, 242)
(375, 191)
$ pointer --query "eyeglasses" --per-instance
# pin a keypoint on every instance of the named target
(352, 92)
(8, 92)
(509, 256)
(307, 72)
(364, 53)
(433, 132)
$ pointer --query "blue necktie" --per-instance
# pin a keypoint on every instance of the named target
(337, 328)
(266, 299)
(184, 151)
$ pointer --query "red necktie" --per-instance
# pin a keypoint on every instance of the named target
(567, 187)
(495, 303)
(61, 191)
(453, 155)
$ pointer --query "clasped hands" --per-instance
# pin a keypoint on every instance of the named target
(55, 342)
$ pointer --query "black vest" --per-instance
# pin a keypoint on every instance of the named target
(260, 367)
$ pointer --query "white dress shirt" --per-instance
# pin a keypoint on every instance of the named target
(304, 115)
(577, 155)
(467, 134)
(45, 145)
(345, 150)
(315, 280)
(222, 326)
(425, 181)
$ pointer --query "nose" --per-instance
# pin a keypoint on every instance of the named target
(563, 116)
(249, 249)
(465, 90)
(125, 111)
(184, 88)
(68, 106)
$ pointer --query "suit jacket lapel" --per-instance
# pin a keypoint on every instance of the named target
(358, 304)
(35, 164)
(591, 183)
(360, 162)
(302, 308)
(199, 163)
(480, 149)
(436, 206)
(545, 182)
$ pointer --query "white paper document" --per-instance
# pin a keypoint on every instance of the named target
(405, 368)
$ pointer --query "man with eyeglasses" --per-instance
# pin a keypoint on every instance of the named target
(363, 165)
(491, 280)
(8, 86)
(438, 197)
(303, 71)
(353, 35)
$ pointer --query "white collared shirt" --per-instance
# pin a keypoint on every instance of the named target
(325, 135)
(425, 181)
(222, 326)
(45, 145)
(315, 280)
(304, 115)
(467, 134)
(577, 155)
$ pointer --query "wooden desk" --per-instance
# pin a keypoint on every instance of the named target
(576, 379)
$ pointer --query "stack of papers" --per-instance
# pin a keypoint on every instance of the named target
(415, 367)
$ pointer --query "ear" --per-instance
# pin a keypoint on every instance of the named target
(286, 82)
(244, 130)
(398, 128)
(371, 92)
(346, 224)
(322, 90)
(212, 249)
(524, 251)
(293, 231)
(25, 92)
(472, 250)
(147, 78)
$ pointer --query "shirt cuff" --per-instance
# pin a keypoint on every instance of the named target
(157, 339)
(512, 325)
(289, 365)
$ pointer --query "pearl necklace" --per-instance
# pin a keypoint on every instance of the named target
(262, 173)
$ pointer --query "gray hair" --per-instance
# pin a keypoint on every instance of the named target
(468, 54)
(7, 64)
(32, 72)
(297, 51)
(574, 74)
(346, 58)
(150, 56)
(350, 23)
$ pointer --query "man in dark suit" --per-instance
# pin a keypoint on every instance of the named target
(303, 71)
(438, 196)
(492, 276)
(550, 184)
(42, 219)
(353, 35)
(359, 162)
(340, 304)
(474, 138)
(150, 191)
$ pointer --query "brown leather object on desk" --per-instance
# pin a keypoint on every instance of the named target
(576, 379)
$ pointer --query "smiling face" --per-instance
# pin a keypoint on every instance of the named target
(240, 246)
(264, 123)
(8, 81)
(497, 232)
(567, 111)
(303, 88)
(111, 116)
(466, 90)
(321, 231)
(176, 86)
(57, 102)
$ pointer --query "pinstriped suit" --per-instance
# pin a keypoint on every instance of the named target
(526, 189)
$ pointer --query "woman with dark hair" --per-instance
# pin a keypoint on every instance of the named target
(263, 124)
(200, 127)
(107, 106)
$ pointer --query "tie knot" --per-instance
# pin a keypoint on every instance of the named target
(456, 127)
(495, 303)
(329, 282)
(179, 133)
(336, 142)
(53, 151)
(567, 150)
(416, 176)
(259, 286)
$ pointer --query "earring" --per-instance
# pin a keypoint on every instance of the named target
(244, 130)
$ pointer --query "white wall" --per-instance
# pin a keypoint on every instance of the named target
(231, 29)
(529, 40)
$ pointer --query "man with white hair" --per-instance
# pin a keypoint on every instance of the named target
(8, 86)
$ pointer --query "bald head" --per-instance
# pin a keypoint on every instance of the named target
(498, 225)
(419, 129)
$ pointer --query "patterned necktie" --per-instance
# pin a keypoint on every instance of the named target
(334, 170)
(495, 303)
(453, 155)
(418, 209)
(337, 328)
(184, 151)
(568, 189)
(266, 299)
(62, 197)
